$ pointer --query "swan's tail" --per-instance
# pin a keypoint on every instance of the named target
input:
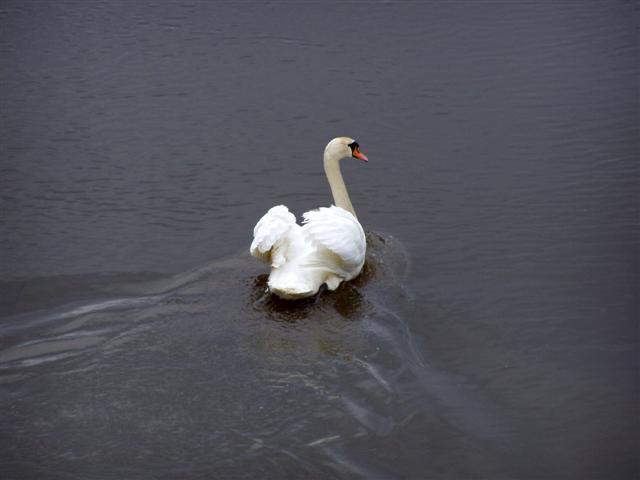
(291, 282)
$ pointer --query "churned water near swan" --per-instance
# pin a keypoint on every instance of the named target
(493, 332)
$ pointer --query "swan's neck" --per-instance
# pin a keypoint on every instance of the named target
(338, 188)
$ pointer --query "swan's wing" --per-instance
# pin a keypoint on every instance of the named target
(272, 231)
(340, 232)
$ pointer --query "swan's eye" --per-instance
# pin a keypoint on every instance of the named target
(355, 152)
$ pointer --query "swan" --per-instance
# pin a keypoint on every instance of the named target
(328, 248)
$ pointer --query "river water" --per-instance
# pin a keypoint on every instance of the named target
(494, 330)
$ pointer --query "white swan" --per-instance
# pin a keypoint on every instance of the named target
(328, 248)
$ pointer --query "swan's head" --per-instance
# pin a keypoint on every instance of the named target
(342, 147)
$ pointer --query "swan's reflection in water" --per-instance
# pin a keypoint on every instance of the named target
(346, 301)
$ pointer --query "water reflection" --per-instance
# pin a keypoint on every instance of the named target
(346, 300)
(266, 367)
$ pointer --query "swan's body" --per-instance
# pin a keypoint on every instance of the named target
(328, 248)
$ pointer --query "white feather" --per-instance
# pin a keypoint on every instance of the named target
(329, 248)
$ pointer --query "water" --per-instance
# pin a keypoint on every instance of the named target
(493, 333)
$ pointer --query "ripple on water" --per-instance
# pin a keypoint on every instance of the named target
(209, 360)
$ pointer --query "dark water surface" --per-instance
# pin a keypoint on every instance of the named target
(494, 331)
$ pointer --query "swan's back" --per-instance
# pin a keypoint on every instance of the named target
(329, 248)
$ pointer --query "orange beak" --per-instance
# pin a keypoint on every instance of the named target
(358, 154)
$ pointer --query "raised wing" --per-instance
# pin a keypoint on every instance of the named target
(340, 232)
(271, 234)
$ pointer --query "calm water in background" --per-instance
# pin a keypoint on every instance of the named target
(494, 331)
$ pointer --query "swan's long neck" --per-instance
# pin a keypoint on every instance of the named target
(338, 188)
